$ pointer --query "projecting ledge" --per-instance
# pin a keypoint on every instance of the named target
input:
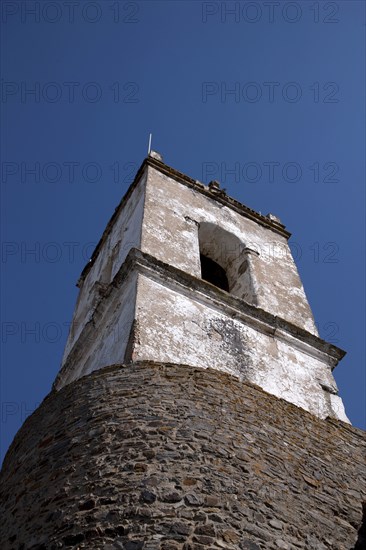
(234, 307)
(154, 311)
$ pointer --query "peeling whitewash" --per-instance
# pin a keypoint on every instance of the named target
(139, 317)
(124, 235)
(169, 234)
(175, 328)
(104, 339)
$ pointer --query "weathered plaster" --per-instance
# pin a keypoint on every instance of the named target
(169, 234)
(262, 331)
(104, 338)
(174, 327)
(124, 234)
(173, 317)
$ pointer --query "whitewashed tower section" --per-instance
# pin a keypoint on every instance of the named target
(185, 274)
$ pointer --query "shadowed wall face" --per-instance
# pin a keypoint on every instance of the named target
(158, 457)
(213, 273)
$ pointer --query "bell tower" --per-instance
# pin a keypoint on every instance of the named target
(184, 274)
(195, 408)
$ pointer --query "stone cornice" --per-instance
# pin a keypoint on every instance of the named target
(237, 308)
(211, 296)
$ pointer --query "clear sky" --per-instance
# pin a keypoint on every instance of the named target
(267, 97)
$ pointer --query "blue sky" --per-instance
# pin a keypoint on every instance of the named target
(267, 97)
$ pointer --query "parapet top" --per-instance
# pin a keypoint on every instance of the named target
(212, 190)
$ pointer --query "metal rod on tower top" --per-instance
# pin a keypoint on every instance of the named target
(149, 149)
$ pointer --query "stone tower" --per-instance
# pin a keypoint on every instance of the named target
(195, 407)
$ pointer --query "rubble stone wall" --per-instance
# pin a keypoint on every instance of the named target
(168, 457)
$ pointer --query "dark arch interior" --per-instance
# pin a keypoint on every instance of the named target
(213, 273)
